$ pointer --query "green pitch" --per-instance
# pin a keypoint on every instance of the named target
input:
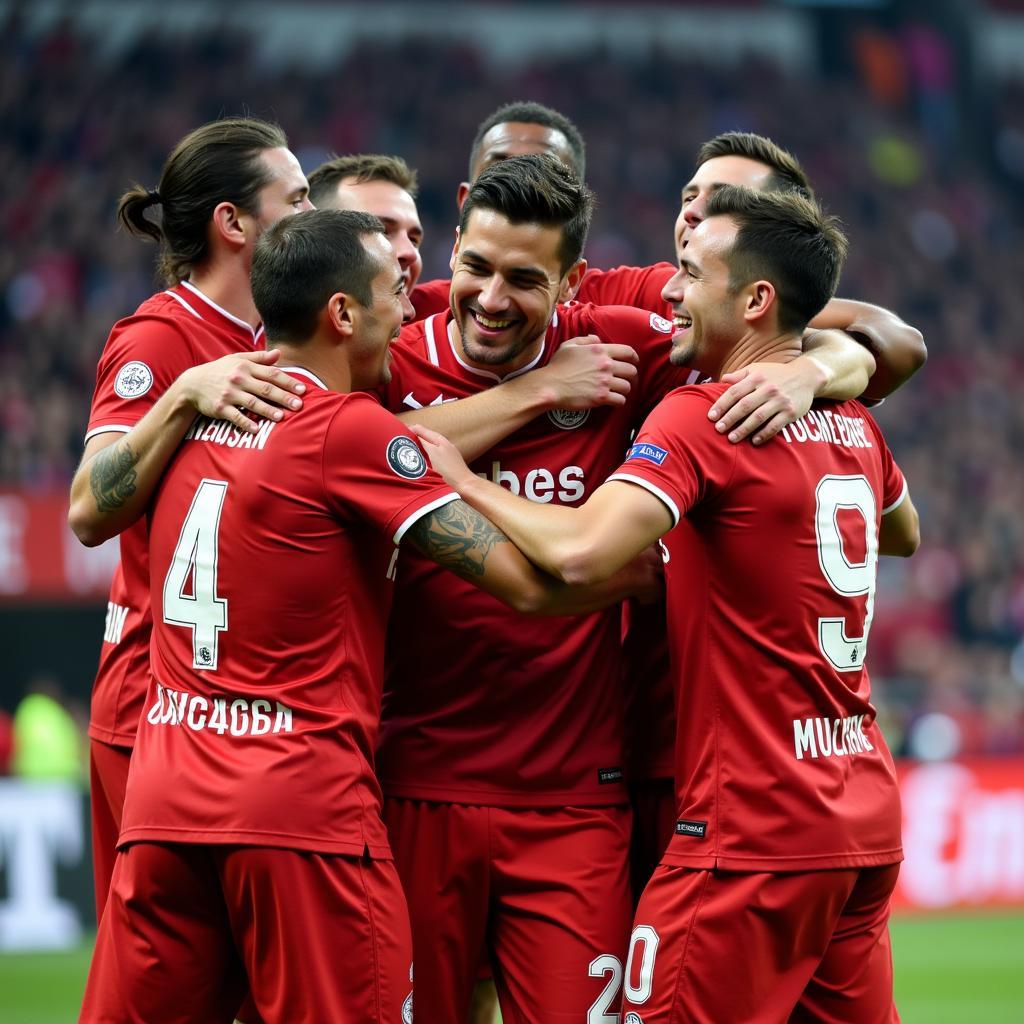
(948, 970)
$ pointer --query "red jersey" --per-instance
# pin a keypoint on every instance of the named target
(483, 705)
(623, 286)
(145, 353)
(272, 561)
(780, 764)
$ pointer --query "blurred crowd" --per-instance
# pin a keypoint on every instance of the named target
(933, 220)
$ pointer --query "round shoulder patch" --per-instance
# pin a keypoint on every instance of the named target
(568, 419)
(405, 457)
(133, 380)
(659, 323)
(632, 1018)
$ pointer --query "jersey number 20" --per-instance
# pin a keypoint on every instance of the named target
(190, 587)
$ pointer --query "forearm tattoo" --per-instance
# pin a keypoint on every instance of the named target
(112, 476)
(457, 537)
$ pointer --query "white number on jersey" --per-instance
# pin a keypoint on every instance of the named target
(601, 1012)
(846, 578)
(195, 563)
(643, 935)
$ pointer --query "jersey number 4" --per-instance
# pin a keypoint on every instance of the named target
(190, 586)
(847, 578)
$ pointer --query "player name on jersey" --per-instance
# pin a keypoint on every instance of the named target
(830, 427)
(836, 737)
(222, 432)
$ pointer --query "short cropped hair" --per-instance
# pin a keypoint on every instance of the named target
(787, 174)
(787, 239)
(526, 112)
(362, 167)
(216, 163)
(536, 189)
(300, 262)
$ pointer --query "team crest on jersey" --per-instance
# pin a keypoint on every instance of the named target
(568, 419)
(133, 380)
(405, 458)
(633, 1018)
(407, 1010)
(660, 324)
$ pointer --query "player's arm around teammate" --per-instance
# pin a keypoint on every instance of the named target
(119, 472)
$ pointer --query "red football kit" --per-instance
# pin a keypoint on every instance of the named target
(780, 765)
(272, 563)
(170, 332)
(622, 286)
(486, 707)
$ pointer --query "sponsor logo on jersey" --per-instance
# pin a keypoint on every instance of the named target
(660, 324)
(686, 827)
(568, 419)
(650, 452)
(606, 775)
(407, 1010)
(405, 458)
(632, 1018)
(133, 380)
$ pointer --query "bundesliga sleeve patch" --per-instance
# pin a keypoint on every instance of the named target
(650, 452)
(405, 458)
(133, 380)
(660, 324)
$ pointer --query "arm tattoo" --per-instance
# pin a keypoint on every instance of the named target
(112, 476)
(457, 537)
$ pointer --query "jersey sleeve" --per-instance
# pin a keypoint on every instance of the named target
(678, 455)
(894, 484)
(639, 287)
(430, 298)
(139, 363)
(374, 471)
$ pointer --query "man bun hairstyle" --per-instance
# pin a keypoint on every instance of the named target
(361, 167)
(787, 174)
(217, 163)
(536, 189)
(527, 112)
(304, 259)
(787, 239)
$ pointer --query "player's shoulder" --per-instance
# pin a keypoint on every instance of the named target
(430, 297)
(624, 324)
(625, 285)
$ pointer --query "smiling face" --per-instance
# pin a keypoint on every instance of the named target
(707, 313)
(506, 280)
(377, 325)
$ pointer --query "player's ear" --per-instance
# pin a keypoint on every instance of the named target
(342, 313)
(226, 225)
(455, 251)
(463, 192)
(571, 281)
(759, 300)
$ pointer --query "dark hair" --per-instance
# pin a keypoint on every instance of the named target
(787, 174)
(523, 112)
(217, 163)
(300, 262)
(535, 189)
(363, 167)
(787, 239)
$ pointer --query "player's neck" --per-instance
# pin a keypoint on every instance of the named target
(226, 282)
(332, 371)
(498, 369)
(761, 348)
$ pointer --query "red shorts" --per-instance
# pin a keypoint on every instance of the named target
(759, 948)
(546, 890)
(108, 777)
(654, 822)
(188, 928)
